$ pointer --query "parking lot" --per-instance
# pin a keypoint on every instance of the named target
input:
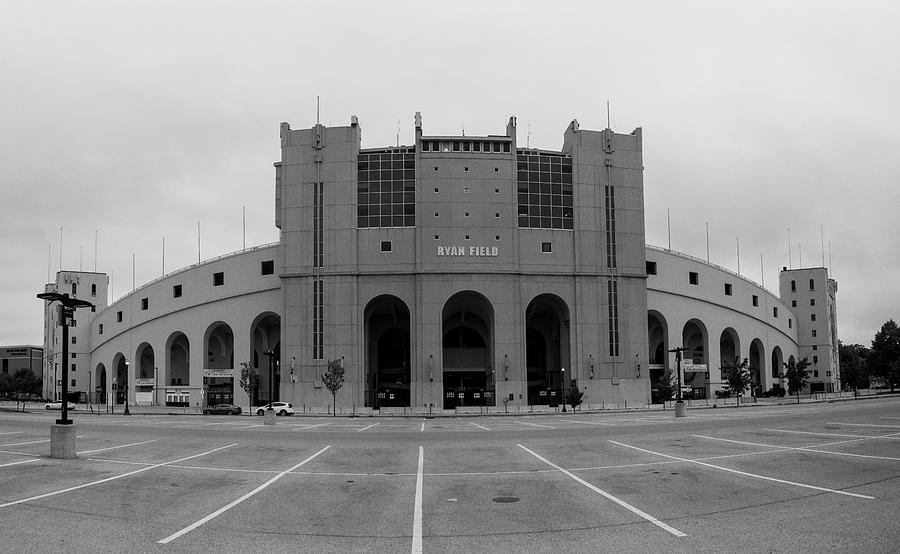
(775, 478)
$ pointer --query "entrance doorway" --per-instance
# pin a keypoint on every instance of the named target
(468, 320)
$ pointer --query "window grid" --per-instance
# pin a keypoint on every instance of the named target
(386, 188)
(544, 190)
(610, 195)
(318, 224)
(612, 294)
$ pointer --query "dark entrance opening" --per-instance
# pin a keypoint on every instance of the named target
(388, 372)
(467, 351)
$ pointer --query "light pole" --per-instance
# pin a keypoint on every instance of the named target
(679, 403)
(562, 389)
(270, 411)
(127, 364)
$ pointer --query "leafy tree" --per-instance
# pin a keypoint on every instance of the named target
(737, 374)
(854, 365)
(24, 381)
(5, 384)
(333, 379)
(666, 385)
(249, 382)
(574, 396)
(797, 375)
(885, 352)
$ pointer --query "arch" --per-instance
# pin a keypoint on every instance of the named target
(757, 360)
(777, 362)
(178, 360)
(120, 381)
(388, 371)
(658, 343)
(695, 359)
(265, 333)
(219, 343)
(146, 368)
(100, 380)
(467, 331)
(546, 348)
(729, 345)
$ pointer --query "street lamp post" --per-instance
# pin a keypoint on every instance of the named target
(125, 385)
(270, 411)
(679, 403)
(562, 389)
(62, 439)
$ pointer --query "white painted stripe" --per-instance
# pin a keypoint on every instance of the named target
(862, 424)
(589, 422)
(423, 427)
(417, 510)
(888, 436)
(745, 474)
(234, 503)
(814, 448)
(113, 478)
(23, 443)
(479, 426)
(748, 443)
(12, 433)
(305, 427)
(19, 462)
(367, 427)
(607, 495)
(535, 425)
(114, 447)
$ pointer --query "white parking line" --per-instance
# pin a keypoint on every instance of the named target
(114, 447)
(113, 478)
(234, 503)
(479, 426)
(889, 436)
(605, 494)
(23, 443)
(12, 433)
(862, 424)
(535, 425)
(302, 427)
(417, 510)
(813, 448)
(366, 427)
(19, 462)
(744, 473)
(422, 428)
(589, 422)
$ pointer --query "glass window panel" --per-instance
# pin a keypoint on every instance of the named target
(555, 189)
(567, 201)
(409, 209)
(385, 221)
(555, 177)
(363, 210)
(557, 222)
(456, 146)
(476, 146)
(545, 188)
(534, 199)
(545, 211)
(523, 198)
(534, 164)
(497, 147)
(522, 176)
(409, 186)
(567, 190)
(534, 221)
(522, 164)
(523, 222)
(545, 176)
(466, 146)
(545, 163)
(409, 161)
(362, 222)
(409, 174)
(385, 175)
(409, 198)
(374, 209)
(397, 186)
(397, 163)
(397, 221)
(506, 147)
(534, 188)
(397, 197)
(556, 211)
(545, 223)
(568, 224)
(409, 220)
(523, 209)
(425, 145)
(397, 174)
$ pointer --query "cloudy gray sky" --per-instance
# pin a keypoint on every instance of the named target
(132, 121)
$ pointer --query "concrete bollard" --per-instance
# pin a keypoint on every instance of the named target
(269, 417)
(680, 409)
(62, 441)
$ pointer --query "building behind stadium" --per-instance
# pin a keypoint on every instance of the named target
(455, 272)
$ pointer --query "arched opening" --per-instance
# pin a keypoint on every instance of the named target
(547, 349)
(777, 367)
(100, 384)
(120, 381)
(218, 370)
(178, 370)
(467, 331)
(658, 341)
(695, 359)
(266, 333)
(388, 368)
(757, 367)
(145, 375)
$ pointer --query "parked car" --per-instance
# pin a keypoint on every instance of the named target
(281, 408)
(57, 405)
(227, 409)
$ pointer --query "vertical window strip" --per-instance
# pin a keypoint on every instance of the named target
(610, 197)
(612, 299)
(318, 221)
(321, 319)
(318, 327)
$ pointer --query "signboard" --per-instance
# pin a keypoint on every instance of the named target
(218, 373)
(143, 382)
(474, 251)
(689, 366)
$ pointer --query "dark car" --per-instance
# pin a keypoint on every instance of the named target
(226, 409)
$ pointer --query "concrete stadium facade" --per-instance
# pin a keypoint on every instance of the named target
(455, 273)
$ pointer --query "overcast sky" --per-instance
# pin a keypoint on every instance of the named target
(132, 121)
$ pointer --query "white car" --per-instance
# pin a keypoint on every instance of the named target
(57, 405)
(281, 408)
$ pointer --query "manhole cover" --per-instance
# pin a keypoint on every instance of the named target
(505, 499)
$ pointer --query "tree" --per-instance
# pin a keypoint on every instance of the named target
(333, 379)
(574, 396)
(854, 365)
(666, 386)
(249, 382)
(737, 374)
(24, 381)
(797, 375)
(885, 352)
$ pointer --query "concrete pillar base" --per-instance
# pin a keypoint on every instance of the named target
(62, 441)
(680, 409)
(269, 417)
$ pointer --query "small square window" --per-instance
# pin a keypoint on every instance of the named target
(145, 303)
(775, 311)
(466, 168)
(386, 246)
(546, 247)
(828, 374)
(496, 237)
(497, 214)
(812, 317)
(74, 356)
(435, 168)
(119, 316)
(176, 291)
(435, 189)
(267, 267)
(815, 347)
(651, 268)
(436, 214)
(496, 191)
(812, 301)
(813, 332)
(694, 278)
(73, 367)
(437, 237)
(727, 289)
(467, 237)
(218, 279)
(496, 170)
(793, 303)
(755, 300)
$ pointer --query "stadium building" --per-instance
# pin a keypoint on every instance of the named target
(456, 272)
